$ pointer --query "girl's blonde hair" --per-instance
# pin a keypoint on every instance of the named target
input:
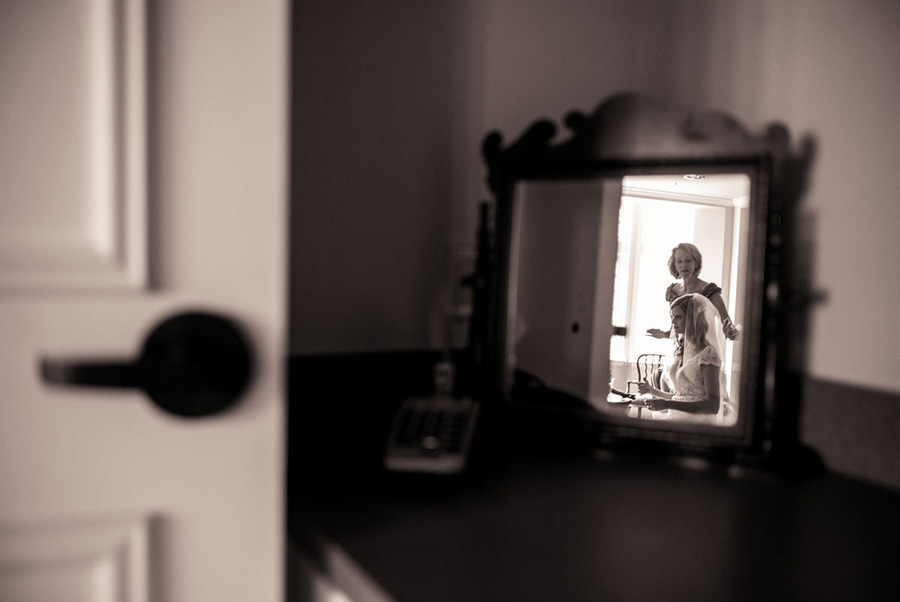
(695, 325)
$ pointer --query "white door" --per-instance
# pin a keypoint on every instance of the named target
(143, 172)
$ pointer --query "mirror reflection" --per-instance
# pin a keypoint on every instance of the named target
(626, 295)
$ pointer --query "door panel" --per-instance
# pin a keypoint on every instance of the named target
(216, 204)
(73, 162)
(76, 561)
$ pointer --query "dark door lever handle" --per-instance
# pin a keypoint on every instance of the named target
(191, 364)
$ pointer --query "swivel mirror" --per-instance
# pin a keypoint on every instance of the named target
(596, 236)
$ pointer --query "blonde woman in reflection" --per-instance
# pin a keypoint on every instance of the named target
(685, 263)
(696, 374)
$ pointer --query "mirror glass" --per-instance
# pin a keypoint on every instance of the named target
(589, 288)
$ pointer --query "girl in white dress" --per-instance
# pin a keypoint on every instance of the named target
(696, 378)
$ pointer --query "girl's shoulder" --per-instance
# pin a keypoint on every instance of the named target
(709, 356)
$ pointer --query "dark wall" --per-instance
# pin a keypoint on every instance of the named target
(371, 121)
(855, 430)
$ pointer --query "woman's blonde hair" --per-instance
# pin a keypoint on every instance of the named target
(694, 253)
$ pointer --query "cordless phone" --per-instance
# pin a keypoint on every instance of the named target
(432, 434)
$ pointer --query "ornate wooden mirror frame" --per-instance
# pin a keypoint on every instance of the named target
(629, 135)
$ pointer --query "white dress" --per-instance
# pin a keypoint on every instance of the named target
(687, 381)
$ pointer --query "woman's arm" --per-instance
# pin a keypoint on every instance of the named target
(645, 389)
(731, 331)
(710, 405)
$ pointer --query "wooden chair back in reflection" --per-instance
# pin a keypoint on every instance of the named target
(649, 369)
